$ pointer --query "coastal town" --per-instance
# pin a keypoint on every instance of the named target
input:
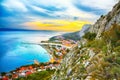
(25, 71)
(57, 52)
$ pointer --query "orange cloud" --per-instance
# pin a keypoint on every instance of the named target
(56, 25)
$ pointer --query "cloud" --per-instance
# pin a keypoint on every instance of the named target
(98, 4)
(56, 25)
(17, 12)
(95, 6)
(17, 5)
(90, 10)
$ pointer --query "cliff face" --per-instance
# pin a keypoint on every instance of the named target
(98, 59)
(106, 21)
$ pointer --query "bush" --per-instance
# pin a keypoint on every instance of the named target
(118, 60)
(117, 49)
(97, 44)
(118, 43)
(112, 35)
(104, 49)
(115, 71)
(89, 36)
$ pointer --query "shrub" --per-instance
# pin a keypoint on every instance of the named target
(117, 49)
(110, 58)
(118, 60)
(89, 36)
(112, 35)
(118, 43)
(115, 71)
(104, 49)
(97, 44)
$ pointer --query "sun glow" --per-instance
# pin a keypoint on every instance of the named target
(56, 25)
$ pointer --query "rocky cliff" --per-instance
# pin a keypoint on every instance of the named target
(97, 59)
(104, 22)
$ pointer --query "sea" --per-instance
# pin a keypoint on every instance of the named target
(17, 48)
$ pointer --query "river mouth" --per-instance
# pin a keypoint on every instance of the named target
(15, 50)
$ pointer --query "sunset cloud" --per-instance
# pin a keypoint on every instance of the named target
(15, 13)
(56, 25)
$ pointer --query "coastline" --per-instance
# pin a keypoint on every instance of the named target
(56, 53)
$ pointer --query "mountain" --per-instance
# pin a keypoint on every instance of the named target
(96, 59)
(84, 30)
(105, 21)
(73, 36)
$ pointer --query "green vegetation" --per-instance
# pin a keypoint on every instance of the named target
(96, 43)
(42, 75)
(117, 49)
(89, 36)
(110, 39)
(112, 35)
(105, 64)
(72, 36)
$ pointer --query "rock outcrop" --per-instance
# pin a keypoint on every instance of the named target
(106, 21)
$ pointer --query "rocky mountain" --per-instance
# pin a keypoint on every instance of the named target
(96, 59)
(73, 36)
(104, 22)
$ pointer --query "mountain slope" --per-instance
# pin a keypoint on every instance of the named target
(98, 59)
(104, 22)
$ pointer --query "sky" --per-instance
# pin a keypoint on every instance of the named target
(56, 15)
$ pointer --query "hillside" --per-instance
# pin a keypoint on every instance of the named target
(105, 21)
(97, 58)
(73, 36)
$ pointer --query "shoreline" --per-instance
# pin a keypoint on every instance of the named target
(56, 53)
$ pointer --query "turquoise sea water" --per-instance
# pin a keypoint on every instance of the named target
(15, 50)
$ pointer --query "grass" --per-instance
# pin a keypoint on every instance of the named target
(106, 67)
